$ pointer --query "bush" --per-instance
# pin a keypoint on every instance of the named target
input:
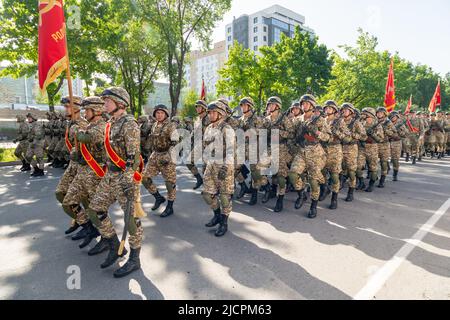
(7, 155)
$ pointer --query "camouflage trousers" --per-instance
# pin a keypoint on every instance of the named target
(61, 151)
(334, 165)
(384, 153)
(81, 190)
(52, 146)
(67, 178)
(217, 193)
(161, 163)
(440, 139)
(35, 154)
(21, 150)
(413, 145)
(47, 141)
(109, 191)
(368, 154)
(313, 160)
(350, 163)
(430, 142)
(396, 150)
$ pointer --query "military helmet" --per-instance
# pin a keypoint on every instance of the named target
(95, 103)
(161, 107)
(142, 119)
(75, 99)
(275, 100)
(296, 105)
(201, 103)
(356, 110)
(117, 94)
(247, 100)
(20, 118)
(224, 101)
(331, 104)
(219, 107)
(349, 106)
(32, 116)
(382, 109)
(394, 114)
(319, 109)
(308, 98)
(370, 111)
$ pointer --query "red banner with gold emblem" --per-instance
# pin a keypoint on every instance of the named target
(52, 46)
(436, 100)
(389, 98)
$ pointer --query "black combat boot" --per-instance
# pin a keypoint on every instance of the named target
(243, 191)
(72, 228)
(159, 200)
(133, 264)
(254, 198)
(324, 191)
(101, 246)
(168, 211)
(39, 173)
(407, 157)
(395, 178)
(267, 190)
(23, 165)
(279, 205)
(65, 165)
(57, 163)
(35, 171)
(27, 167)
(313, 210)
(381, 184)
(349, 195)
(413, 160)
(361, 184)
(301, 199)
(333, 205)
(83, 233)
(370, 187)
(223, 227)
(113, 254)
(92, 233)
(215, 220)
(199, 181)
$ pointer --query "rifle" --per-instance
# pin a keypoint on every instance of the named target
(128, 190)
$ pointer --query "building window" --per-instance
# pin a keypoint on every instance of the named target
(255, 20)
(229, 38)
(265, 39)
(276, 35)
(265, 29)
(17, 99)
(280, 24)
(255, 39)
(255, 29)
(255, 48)
(229, 30)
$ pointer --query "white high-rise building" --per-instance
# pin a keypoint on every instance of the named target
(263, 28)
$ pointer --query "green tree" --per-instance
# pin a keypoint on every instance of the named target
(178, 22)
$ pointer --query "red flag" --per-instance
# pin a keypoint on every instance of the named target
(203, 93)
(389, 98)
(436, 100)
(52, 42)
(408, 107)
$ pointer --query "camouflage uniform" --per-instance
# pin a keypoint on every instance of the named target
(350, 148)
(145, 127)
(54, 134)
(118, 184)
(22, 138)
(384, 147)
(219, 175)
(439, 131)
(414, 137)
(369, 149)
(48, 132)
(311, 132)
(61, 149)
(35, 151)
(396, 141)
(164, 136)
(447, 132)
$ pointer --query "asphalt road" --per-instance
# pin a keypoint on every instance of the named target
(391, 244)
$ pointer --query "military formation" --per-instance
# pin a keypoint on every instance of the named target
(318, 150)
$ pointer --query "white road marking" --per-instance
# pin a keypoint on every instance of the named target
(377, 281)
(43, 179)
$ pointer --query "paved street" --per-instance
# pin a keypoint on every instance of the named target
(391, 244)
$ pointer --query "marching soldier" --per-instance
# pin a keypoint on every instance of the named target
(89, 158)
(312, 132)
(66, 180)
(22, 138)
(339, 131)
(121, 182)
(440, 134)
(350, 148)
(415, 136)
(250, 121)
(35, 151)
(219, 173)
(61, 149)
(396, 141)
(164, 136)
(369, 149)
(384, 147)
(280, 121)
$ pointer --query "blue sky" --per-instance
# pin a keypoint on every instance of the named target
(418, 29)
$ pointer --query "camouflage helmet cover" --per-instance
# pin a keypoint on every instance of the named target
(118, 95)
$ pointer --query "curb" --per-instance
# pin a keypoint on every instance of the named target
(10, 164)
